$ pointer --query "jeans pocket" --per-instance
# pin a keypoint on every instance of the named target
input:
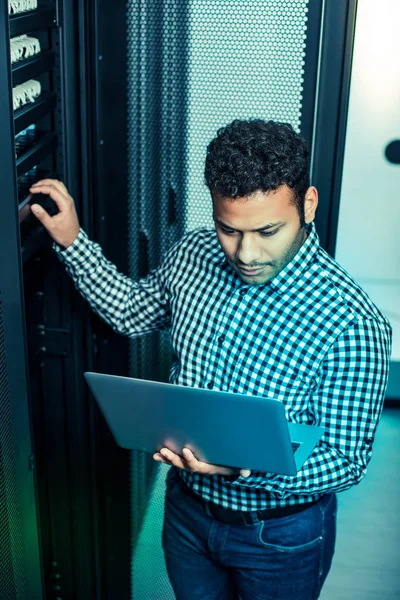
(301, 531)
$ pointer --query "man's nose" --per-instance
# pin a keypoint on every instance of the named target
(248, 251)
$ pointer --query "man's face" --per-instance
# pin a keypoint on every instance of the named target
(260, 234)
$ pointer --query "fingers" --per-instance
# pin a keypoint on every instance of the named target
(190, 462)
(62, 187)
(55, 189)
(64, 226)
(196, 465)
(55, 183)
(42, 216)
(159, 458)
(203, 467)
(170, 458)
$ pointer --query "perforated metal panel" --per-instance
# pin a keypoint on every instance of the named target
(12, 570)
(193, 67)
(246, 60)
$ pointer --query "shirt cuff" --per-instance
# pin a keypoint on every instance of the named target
(75, 251)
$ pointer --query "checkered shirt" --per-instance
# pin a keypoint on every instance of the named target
(311, 337)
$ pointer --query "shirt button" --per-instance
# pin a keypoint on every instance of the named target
(242, 291)
(210, 385)
(221, 339)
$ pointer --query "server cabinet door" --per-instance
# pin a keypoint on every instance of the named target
(20, 570)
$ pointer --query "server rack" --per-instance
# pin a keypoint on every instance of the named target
(50, 537)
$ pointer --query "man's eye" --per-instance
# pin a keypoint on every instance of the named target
(227, 231)
(268, 233)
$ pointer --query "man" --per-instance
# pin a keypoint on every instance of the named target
(255, 306)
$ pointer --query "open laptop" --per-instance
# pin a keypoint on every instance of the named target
(221, 428)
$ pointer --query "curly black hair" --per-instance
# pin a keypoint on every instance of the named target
(254, 155)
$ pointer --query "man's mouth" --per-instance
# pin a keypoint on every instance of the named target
(251, 272)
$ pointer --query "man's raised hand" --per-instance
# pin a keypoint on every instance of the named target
(64, 226)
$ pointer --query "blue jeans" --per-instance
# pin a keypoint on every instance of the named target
(284, 558)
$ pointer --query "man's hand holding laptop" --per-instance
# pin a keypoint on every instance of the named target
(190, 463)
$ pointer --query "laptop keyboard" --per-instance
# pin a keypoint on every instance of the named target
(295, 446)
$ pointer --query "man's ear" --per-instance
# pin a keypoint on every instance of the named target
(310, 204)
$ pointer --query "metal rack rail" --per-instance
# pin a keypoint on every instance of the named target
(40, 152)
(33, 20)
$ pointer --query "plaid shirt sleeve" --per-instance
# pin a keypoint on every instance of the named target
(347, 401)
(130, 307)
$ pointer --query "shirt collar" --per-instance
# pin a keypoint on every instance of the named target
(299, 264)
